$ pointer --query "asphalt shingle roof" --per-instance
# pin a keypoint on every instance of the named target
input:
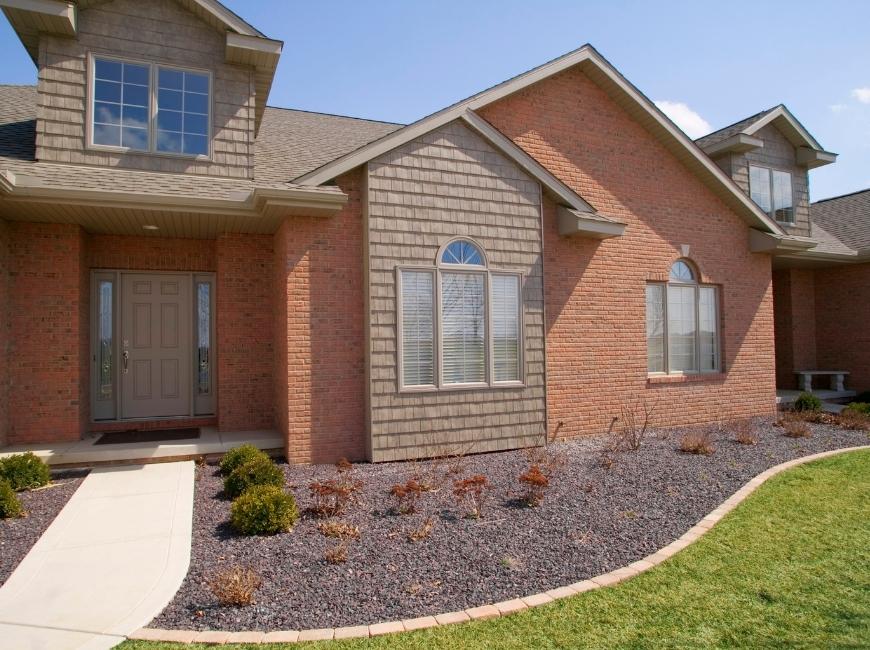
(732, 129)
(847, 218)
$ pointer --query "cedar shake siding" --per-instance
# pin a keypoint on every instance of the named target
(157, 31)
(451, 183)
(596, 346)
(777, 153)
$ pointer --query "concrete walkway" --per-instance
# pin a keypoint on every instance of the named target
(110, 561)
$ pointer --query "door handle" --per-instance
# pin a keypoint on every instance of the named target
(125, 356)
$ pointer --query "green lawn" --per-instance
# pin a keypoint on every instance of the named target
(790, 567)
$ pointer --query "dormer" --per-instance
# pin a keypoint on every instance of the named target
(769, 155)
(165, 85)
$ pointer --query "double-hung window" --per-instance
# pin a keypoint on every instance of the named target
(682, 324)
(150, 108)
(771, 189)
(460, 322)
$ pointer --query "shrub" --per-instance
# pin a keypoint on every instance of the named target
(235, 587)
(859, 407)
(697, 441)
(343, 465)
(537, 483)
(472, 492)
(635, 423)
(795, 429)
(264, 510)
(338, 529)
(807, 402)
(10, 504)
(421, 533)
(744, 432)
(258, 471)
(854, 420)
(336, 554)
(332, 497)
(406, 496)
(238, 456)
(24, 471)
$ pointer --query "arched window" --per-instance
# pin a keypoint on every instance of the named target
(682, 323)
(471, 335)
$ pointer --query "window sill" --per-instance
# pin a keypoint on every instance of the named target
(105, 148)
(691, 378)
(452, 388)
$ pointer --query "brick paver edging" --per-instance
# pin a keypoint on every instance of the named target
(496, 609)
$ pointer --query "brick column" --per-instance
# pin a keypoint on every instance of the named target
(4, 332)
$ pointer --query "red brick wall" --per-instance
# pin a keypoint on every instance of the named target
(596, 348)
(320, 337)
(48, 333)
(4, 331)
(151, 253)
(245, 344)
(794, 324)
(843, 322)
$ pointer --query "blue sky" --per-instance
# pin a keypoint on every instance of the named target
(400, 60)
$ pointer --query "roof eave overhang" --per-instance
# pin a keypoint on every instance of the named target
(259, 202)
(738, 143)
(262, 54)
(30, 18)
(778, 244)
(813, 158)
(577, 223)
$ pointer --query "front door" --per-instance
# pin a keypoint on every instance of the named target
(155, 345)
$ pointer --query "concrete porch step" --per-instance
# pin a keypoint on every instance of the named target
(85, 453)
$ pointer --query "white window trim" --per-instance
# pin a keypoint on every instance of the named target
(697, 286)
(489, 368)
(770, 170)
(153, 67)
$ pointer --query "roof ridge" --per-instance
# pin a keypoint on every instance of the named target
(743, 119)
(18, 86)
(347, 117)
(841, 196)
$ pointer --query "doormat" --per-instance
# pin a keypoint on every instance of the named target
(157, 435)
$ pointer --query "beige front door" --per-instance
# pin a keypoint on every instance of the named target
(155, 340)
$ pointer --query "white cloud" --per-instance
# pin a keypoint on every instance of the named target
(688, 120)
(862, 95)
(838, 108)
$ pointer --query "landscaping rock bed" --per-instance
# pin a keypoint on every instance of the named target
(18, 535)
(592, 520)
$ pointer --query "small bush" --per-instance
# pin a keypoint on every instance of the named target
(238, 456)
(421, 533)
(859, 407)
(263, 510)
(536, 485)
(853, 420)
(795, 429)
(471, 492)
(807, 402)
(336, 554)
(24, 471)
(343, 465)
(633, 428)
(332, 497)
(258, 471)
(10, 504)
(235, 587)
(406, 496)
(745, 433)
(698, 441)
(338, 529)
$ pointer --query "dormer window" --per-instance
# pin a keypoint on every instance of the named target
(771, 190)
(144, 107)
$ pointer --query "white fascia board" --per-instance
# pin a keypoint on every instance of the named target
(781, 112)
(736, 143)
(813, 158)
(60, 16)
(765, 242)
(227, 17)
(574, 222)
(258, 44)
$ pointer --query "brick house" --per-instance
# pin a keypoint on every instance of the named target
(522, 264)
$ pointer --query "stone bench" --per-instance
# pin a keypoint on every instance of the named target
(805, 379)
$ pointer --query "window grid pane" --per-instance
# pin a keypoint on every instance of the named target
(681, 329)
(418, 358)
(182, 112)
(759, 186)
(506, 327)
(655, 328)
(121, 99)
(463, 328)
(709, 329)
(783, 209)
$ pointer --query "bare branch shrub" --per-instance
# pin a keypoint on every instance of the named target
(698, 441)
(336, 554)
(423, 531)
(853, 420)
(633, 426)
(795, 428)
(471, 493)
(744, 432)
(536, 485)
(339, 529)
(406, 496)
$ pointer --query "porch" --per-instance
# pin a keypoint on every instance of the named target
(86, 452)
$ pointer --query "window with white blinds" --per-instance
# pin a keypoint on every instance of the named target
(418, 328)
(460, 324)
(682, 324)
(505, 327)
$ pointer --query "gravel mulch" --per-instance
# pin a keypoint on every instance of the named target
(17, 536)
(592, 520)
